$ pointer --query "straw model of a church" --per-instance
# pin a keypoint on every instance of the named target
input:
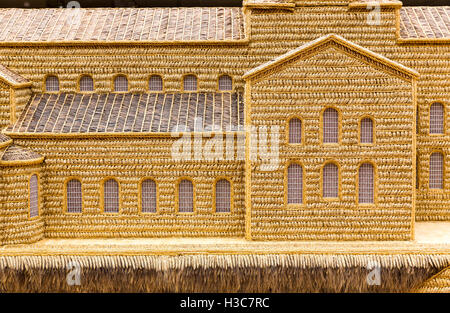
(93, 102)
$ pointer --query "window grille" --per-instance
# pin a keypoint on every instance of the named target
(120, 84)
(223, 196)
(330, 126)
(86, 84)
(190, 83)
(34, 196)
(366, 130)
(295, 184)
(155, 83)
(52, 84)
(185, 196)
(111, 196)
(148, 196)
(74, 196)
(436, 170)
(366, 183)
(225, 83)
(436, 118)
(330, 181)
(295, 131)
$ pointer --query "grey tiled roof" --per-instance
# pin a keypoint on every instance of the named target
(425, 22)
(131, 113)
(17, 153)
(121, 24)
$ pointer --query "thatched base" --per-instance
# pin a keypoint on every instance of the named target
(219, 273)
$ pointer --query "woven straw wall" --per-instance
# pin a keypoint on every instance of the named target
(171, 62)
(305, 88)
(434, 85)
(273, 32)
(129, 160)
(432, 61)
(16, 225)
(21, 98)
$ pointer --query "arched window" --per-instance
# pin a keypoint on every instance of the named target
(295, 131)
(437, 118)
(111, 196)
(437, 171)
(120, 83)
(34, 196)
(148, 196)
(330, 126)
(225, 83)
(295, 184)
(190, 83)
(366, 130)
(52, 83)
(366, 183)
(86, 83)
(185, 196)
(155, 83)
(223, 196)
(74, 196)
(330, 181)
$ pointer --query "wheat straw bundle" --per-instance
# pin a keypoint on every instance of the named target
(217, 273)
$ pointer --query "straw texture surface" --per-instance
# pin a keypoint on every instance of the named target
(11, 77)
(128, 24)
(439, 283)
(301, 86)
(334, 75)
(217, 273)
(425, 22)
(129, 161)
(16, 225)
(131, 112)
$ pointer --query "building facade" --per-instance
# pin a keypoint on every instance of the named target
(280, 120)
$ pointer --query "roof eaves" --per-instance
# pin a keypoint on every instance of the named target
(7, 76)
(269, 5)
(34, 158)
(125, 42)
(365, 4)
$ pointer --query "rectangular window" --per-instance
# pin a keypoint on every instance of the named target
(366, 183)
(34, 196)
(330, 126)
(148, 196)
(74, 196)
(223, 196)
(295, 131)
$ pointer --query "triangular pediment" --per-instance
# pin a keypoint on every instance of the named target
(339, 43)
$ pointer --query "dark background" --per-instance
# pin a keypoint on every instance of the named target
(159, 3)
